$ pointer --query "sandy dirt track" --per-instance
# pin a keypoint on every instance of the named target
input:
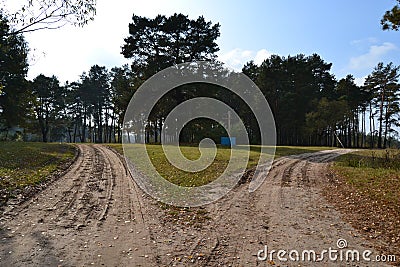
(90, 216)
(95, 215)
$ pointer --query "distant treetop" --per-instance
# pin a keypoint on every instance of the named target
(391, 19)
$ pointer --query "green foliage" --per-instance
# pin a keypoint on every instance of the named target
(96, 95)
(383, 86)
(293, 86)
(312, 108)
(48, 102)
(15, 93)
(89, 105)
(157, 43)
(326, 114)
(86, 110)
(309, 105)
(123, 86)
(391, 19)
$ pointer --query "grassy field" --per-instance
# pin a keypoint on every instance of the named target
(24, 164)
(182, 178)
(375, 173)
(366, 188)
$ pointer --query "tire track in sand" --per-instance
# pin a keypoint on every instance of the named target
(90, 216)
(286, 212)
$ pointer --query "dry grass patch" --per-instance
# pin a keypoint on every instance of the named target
(365, 186)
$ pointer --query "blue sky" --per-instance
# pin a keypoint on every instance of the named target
(345, 33)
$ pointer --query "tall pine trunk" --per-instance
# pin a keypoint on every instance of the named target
(381, 117)
(371, 125)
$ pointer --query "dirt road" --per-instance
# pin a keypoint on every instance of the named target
(91, 216)
(96, 216)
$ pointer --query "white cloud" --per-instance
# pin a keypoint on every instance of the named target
(370, 59)
(261, 56)
(360, 80)
(368, 41)
(237, 57)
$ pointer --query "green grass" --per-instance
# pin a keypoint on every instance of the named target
(374, 173)
(23, 164)
(366, 187)
(189, 179)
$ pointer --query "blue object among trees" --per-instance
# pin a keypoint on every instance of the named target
(228, 141)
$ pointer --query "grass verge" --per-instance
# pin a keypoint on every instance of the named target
(365, 186)
(189, 179)
(26, 165)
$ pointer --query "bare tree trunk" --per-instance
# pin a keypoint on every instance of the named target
(160, 125)
(386, 125)
(371, 125)
(387, 118)
(381, 117)
(83, 139)
(363, 128)
(90, 130)
(110, 130)
(155, 131)
(119, 133)
(129, 137)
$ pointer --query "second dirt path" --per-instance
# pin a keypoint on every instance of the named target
(288, 212)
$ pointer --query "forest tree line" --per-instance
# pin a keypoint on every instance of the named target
(310, 106)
